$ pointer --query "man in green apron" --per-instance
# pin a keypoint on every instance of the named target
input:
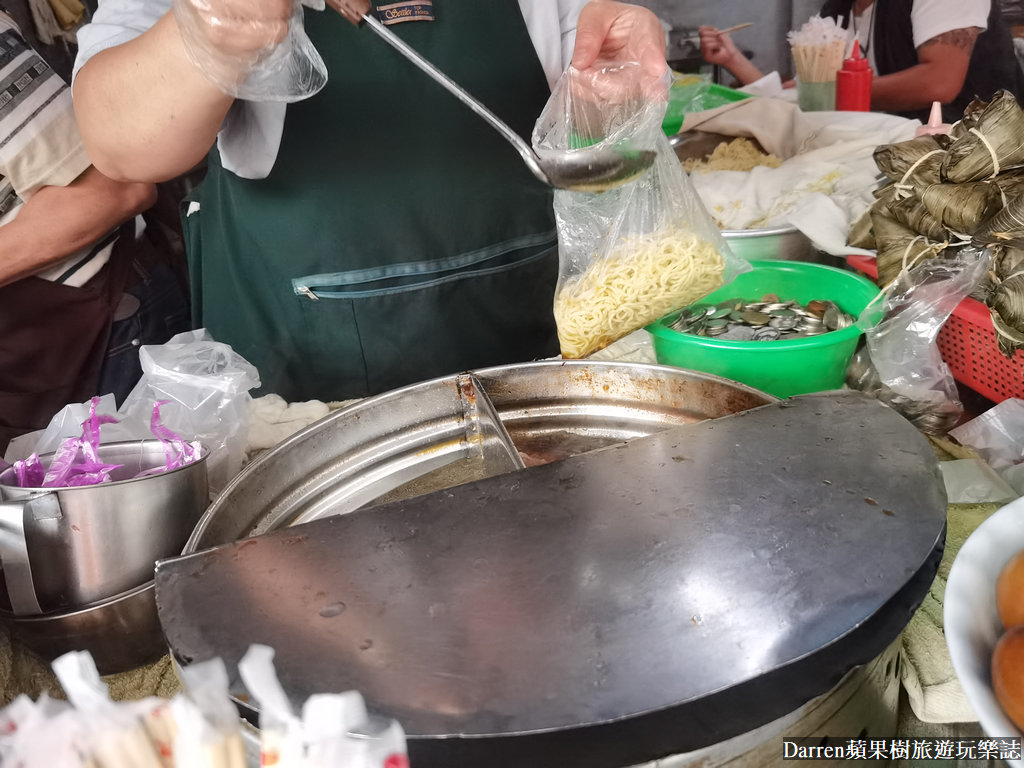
(377, 233)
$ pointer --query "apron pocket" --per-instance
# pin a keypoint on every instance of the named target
(416, 276)
(499, 310)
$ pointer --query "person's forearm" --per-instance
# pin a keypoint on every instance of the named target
(146, 113)
(57, 221)
(910, 89)
(743, 70)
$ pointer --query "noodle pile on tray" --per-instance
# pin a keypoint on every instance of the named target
(644, 278)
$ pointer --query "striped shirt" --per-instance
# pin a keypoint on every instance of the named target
(40, 144)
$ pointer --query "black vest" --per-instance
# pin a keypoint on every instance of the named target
(993, 62)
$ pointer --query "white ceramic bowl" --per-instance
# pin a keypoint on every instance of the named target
(972, 625)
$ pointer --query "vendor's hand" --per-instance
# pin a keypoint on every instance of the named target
(615, 32)
(352, 10)
(717, 48)
(226, 38)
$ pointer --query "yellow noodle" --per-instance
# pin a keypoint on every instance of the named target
(737, 155)
(642, 280)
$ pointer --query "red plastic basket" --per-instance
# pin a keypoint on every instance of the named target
(968, 345)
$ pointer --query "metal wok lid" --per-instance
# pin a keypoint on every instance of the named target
(550, 410)
(602, 610)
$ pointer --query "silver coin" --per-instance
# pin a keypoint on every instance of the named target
(738, 333)
(783, 323)
(766, 334)
(753, 317)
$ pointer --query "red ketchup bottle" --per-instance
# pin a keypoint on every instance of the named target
(853, 83)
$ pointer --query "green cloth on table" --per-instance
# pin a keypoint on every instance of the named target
(928, 677)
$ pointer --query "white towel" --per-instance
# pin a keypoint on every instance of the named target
(826, 179)
(272, 420)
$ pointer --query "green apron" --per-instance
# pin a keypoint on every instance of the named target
(398, 237)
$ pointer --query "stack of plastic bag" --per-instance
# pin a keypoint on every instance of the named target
(332, 730)
(200, 729)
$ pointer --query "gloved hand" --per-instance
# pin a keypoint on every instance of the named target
(611, 35)
(251, 49)
(615, 32)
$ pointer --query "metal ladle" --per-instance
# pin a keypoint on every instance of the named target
(587, 169)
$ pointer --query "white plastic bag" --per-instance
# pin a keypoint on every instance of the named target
(206, 385)
(998, 434)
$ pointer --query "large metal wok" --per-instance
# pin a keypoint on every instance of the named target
(607, 608)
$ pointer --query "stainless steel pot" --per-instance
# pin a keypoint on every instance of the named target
(65, 548)
(782, 242)
(121, 633)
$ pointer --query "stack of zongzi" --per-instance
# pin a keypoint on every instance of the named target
(950, 191)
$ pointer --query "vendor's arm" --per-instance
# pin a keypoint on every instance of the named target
(938, 76)
(146, 111)
(58, 221)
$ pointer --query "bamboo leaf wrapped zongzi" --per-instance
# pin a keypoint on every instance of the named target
(1005, 226)
(908, 210)
(923, 154)
(962, 207)
(898, 246)
(993, 144)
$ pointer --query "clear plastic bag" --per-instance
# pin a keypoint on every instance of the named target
(903, 366)
(634, 253)
(205, 384)
(287, 70)
(998, 434)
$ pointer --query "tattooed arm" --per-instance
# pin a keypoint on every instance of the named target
(938, 76)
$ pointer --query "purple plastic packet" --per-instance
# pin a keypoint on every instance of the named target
(67, 469)
(29, 472)
(90, 440)
(101, 475)
(76, 461)
(178, 452)
(62, 464)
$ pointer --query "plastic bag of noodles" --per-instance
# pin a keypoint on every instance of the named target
(630, 254)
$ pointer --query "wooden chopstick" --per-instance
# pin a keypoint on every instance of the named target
(725, 31)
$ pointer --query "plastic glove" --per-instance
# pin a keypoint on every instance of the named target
(613, 32)
(251, 49)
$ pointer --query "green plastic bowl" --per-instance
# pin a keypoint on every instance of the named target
(781, 368)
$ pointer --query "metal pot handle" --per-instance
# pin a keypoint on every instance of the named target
(17, 569)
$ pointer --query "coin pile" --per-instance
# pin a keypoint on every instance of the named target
(769, 319)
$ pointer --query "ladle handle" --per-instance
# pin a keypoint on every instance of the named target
(524, 149)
